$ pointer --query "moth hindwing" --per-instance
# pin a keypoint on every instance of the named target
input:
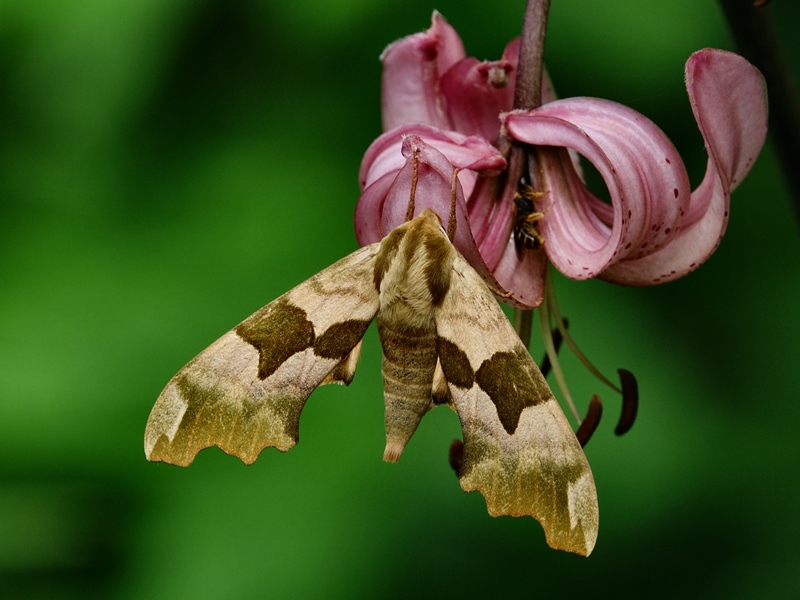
(443, 336)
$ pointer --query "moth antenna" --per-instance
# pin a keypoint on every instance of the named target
(590, 423)
(456, 456)
(451, 221)
(414, 176)
(630, 401)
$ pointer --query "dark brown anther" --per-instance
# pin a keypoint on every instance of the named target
(457, 456)
(557, 339)
(630, 401)
(590, 423)
(760, 3)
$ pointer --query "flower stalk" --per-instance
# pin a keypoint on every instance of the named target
(528, 90)
(527, 96)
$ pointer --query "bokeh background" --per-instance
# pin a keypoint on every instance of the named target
(166, 168)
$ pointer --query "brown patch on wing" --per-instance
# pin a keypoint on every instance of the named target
(510, 386)
(345, 370)
(340, 338)
(455, 364)
(277, 331)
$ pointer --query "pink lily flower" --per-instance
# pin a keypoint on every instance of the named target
(454, 113)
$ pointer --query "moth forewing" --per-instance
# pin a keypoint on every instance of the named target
(519, 450)
(445, 340)
(246, 391)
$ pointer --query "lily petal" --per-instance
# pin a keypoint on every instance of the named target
(477, 92)
(412, 67)
(511, 55)
(655, 230)
(471, 152)
(729, 100)
(645, 176)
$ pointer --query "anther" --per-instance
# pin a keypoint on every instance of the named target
(630, 401)
(557, 339)
(590, 423)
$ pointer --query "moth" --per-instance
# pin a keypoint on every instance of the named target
(526, 217)
(443, 335)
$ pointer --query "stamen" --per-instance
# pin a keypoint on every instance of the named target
(630, 401)
(550, 300)
(590, 423)
(451, 221)
(456, 456)
(523, 319)
(557, 339)
(414, 176)
(629, 388)
(549, 346)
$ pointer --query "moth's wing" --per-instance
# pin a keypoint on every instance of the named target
(519, 450)
(246, 391)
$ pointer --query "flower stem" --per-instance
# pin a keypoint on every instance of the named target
(527, 96)
(528, 90)
(758, 42)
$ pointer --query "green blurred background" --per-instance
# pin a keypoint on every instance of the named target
(168, 167)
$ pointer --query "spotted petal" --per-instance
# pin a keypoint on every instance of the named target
(655, 230)
(729, 101)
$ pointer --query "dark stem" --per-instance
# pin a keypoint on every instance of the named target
(755, 36)
(527, 96)
(528, 91)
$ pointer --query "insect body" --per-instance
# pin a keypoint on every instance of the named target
(526, 232)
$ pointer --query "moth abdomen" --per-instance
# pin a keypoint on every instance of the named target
(409, 361)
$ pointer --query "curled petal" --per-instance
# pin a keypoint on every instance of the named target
(729, 101)
(463, 151)
(645, 177)
(367, 221)
(412, 67)
(525, 279)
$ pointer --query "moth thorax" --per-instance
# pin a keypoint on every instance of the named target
(417, 278)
